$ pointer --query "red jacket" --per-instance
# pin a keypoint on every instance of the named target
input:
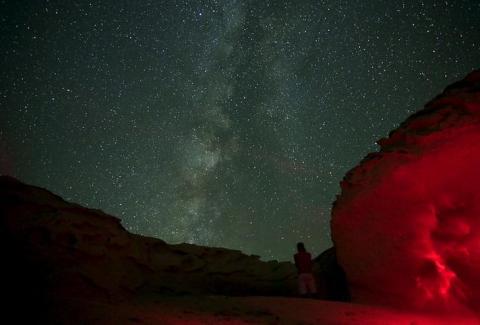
(303, 262)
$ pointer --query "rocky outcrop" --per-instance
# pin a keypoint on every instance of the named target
(406, 226)
(330, 277)
(66, 250)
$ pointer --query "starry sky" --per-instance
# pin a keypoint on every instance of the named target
(218, 122)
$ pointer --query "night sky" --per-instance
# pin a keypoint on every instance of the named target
(221, 123)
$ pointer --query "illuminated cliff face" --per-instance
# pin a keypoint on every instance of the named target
(407, 223)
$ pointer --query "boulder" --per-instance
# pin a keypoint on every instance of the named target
(330, 277)
(406, 225)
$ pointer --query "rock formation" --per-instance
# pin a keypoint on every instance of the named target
(67, 250)
(330, 277)
(406, 226)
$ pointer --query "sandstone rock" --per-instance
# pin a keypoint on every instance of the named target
(406, 226)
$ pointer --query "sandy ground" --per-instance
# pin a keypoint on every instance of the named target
(241, 310)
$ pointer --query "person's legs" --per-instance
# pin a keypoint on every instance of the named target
(302, 284)
(310, 284)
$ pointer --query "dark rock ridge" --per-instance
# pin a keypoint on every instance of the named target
(406, 226)
(72, 251)
(331, 280)
(57, 249)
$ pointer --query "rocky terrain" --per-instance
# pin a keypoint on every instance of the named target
(86, 253)
(62, 254)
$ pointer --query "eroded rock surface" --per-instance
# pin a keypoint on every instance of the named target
(407, 224)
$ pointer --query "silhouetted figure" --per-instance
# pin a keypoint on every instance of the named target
(306, 281)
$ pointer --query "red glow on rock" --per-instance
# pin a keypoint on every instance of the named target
(414, 210)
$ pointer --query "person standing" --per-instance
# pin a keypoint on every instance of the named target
(303, 262)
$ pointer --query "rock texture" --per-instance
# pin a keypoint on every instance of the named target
(66, 250)
(406, 226)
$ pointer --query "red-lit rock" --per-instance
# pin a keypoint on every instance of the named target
(407, 224)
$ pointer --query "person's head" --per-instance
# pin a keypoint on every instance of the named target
(301, 247)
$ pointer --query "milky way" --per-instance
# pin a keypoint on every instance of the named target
(221, 123)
